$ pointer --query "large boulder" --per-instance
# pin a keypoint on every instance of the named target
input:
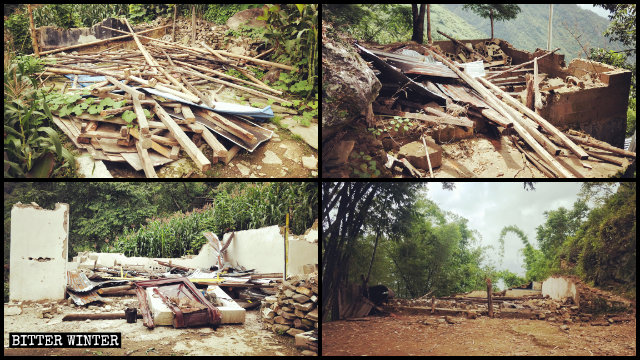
(247, 18)
(348, 85)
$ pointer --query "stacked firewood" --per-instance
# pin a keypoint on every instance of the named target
(294, 308)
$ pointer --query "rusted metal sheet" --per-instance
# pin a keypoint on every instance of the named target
(395, 75)
(78, 282)
(85, 297)
(417, 64)
(178, 293)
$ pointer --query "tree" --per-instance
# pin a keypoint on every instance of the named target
(623, 23)
(429, 24)
(498, 12)
(418, 22)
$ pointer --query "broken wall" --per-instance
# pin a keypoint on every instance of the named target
(39, 246)
(263, 250)
(599, 111)
(559, 288)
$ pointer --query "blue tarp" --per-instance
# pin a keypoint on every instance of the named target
(221, 107)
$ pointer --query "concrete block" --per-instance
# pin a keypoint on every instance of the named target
(559, 288)
(415, 154)
(231, 312)
(160, 312)
(39, 245)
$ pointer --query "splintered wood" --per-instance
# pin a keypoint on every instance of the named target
(162, 127)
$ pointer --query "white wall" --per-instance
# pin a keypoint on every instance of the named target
(39, 245)
(558, 288)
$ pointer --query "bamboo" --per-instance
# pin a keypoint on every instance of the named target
(173, 32)
(426, 150)
(97, 42)
(129, 90)
(193, 25)
(258, 61)
(32, 30)
(539, 119)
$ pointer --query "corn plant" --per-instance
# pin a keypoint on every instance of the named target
(29, 143)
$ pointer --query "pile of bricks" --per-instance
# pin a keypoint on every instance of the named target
(293, 309)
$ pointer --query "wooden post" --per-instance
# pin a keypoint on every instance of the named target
(429, 25)
(536, 87)
(433, 304)
(193, 26)
(145, 160)
(32, 29)
(490, 302)
(173, 32)
(428, 159)
(550, 26)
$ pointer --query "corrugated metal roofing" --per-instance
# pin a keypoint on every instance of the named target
(78, 282)
(84, 298)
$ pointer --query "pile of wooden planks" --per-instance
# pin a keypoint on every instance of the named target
(181, 119)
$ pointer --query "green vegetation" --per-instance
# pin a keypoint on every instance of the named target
(165, 218)
(363, 165)
(499, 12)
(32, 146)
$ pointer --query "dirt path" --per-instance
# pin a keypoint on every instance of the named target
(406, 335)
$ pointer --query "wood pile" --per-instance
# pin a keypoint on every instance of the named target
(178, 83)
(293, 309)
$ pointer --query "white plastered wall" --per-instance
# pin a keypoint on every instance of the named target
(39, 245)
(559, 287)
(263, 250)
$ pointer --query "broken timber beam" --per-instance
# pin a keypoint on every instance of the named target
(228, 125)
(192, 150)
(145, 160)
(219, 151)
(500, 107)
(603, 146)
(537, 118)
(154, 145)
(436, 119)
(99, 316)
(521, 65)
(464, 46)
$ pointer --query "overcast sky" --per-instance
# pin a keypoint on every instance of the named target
(598, 10)
(490, 206)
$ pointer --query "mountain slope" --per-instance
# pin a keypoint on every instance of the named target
(529, 30)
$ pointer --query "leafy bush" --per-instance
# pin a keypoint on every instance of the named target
(18, 26)
(30, 143)
(220, 13)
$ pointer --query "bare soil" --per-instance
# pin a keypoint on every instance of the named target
(406, 335)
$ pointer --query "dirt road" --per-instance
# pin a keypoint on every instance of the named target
(402, 335)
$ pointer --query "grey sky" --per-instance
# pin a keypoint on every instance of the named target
(490, 206)
(598, 10)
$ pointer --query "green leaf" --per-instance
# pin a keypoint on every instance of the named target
(405, 128)
(367, 157)
(128, 116)
(107, 102)
(93, 109)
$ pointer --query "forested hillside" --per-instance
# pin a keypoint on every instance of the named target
(529, 30)
(392, 234)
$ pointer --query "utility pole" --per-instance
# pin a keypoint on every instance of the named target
(550, 27)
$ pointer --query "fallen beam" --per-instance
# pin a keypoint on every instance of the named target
(436, 119)
(99, 316)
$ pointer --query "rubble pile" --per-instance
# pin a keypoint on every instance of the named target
(293, 309)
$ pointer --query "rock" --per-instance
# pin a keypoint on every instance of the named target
(271, 158)
(450, 320)
(541, 316)
(294, 332)
(552, 319)
(300, 298)
(349, 85)
(243, 170)
(310, 162)
(414, 152)
(564, 327)
(441, 321)
(247, 18)
(610, 321)
(279, 328)
(309, 353)
(237, 50)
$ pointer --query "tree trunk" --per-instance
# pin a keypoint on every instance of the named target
(429, 24)
(418, 23)
(491, 16)
(490, 301)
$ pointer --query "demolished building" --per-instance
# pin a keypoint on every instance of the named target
(479, 108)
(250, 268)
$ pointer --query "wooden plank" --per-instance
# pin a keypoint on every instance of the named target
(603, 146)
(521, 65)
(536, 85)
(154, 145)
(128, 89)
(188, 114)
(192, 150)
(539, 119)
(228, 125)
(143, 123)
(219, 151)
(147, 165)
(231, 153)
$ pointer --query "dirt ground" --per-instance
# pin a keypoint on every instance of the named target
(228, 340)
(406, 335)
